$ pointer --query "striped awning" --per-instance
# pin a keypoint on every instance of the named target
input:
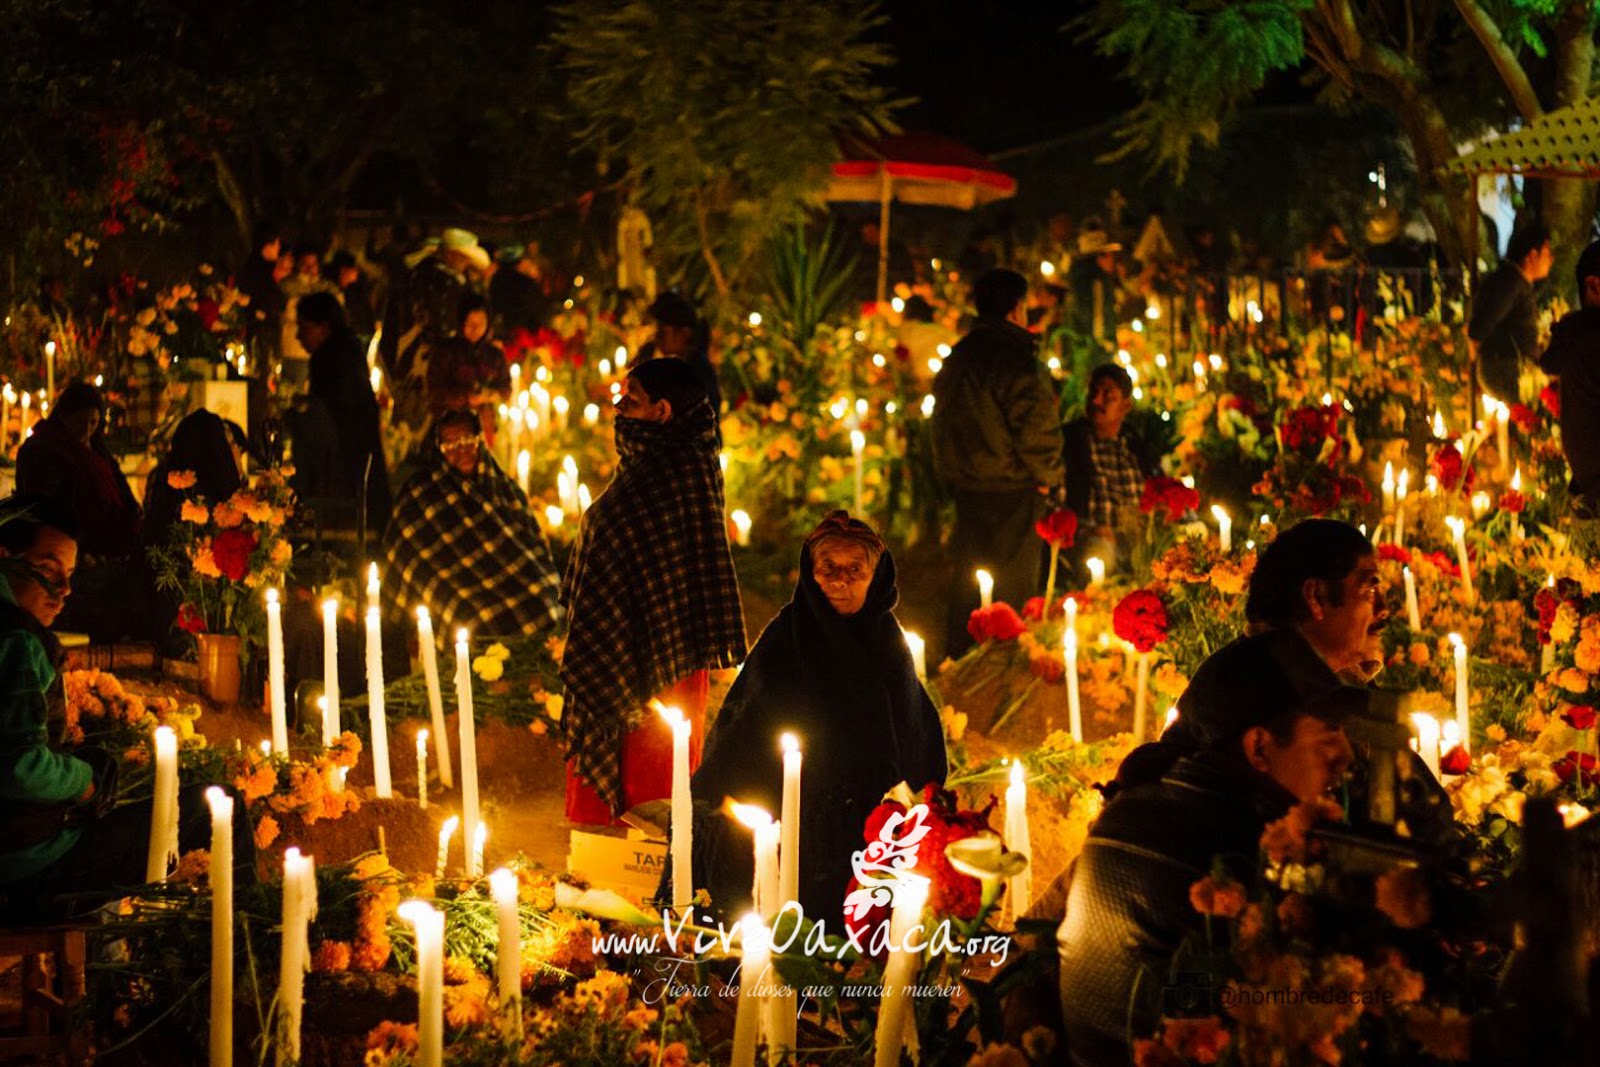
(1564, 143)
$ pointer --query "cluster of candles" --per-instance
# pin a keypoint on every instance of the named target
(28, 412)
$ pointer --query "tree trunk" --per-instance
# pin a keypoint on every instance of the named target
(707, 247)
(233, 195)
(1569, 203)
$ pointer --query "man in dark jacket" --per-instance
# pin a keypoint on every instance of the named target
(1504, 329)
(1105, 467)
(997, 448)
(1269, 734)
(1574, 357)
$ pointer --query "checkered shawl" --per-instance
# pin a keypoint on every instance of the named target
(650, 589)
(468, 548)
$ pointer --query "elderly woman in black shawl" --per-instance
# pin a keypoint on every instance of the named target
(833, 669)
(463, 544)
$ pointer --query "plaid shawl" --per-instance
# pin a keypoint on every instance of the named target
(650, 589)
(469, 550)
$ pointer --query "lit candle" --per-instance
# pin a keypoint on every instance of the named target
(508, 953)
(1224, 527)
(900, 972)
(1427, 739)
(789, 847)
(1097, 571)
(1069, 641)
(430, 673)
(1449, 737)
(1462, 722)
(1547, 652)
(299, 905)
(377, 720)
(7, 395)
(764, 890)
(1413, 614)
(164, 807)
(591, 415)
(446, 832)
(560, 405)
(373, 588)
(422, 768)
(584, 499)
(985, 586)
(1502, 431)
(429, 924)
(756, 952)
(919, 652)
(682, 809)
(275, 697)
(1400, 508)
(22, 420)
(50, 369)
(1516, 519)
(330, 671)
(221, 926)
(554, 517)
(524, 467)
(858, 444)
(1388, 488)
(1141, 683)
(569, 468)
(469, 747)
(1458, 530)
(1018, 840)
(741, 528)
(479, 840)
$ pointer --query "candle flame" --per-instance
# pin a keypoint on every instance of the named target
(1427, 726)
(272, 598)
(447, 829)
(461, 636)
(1019, 775)
(422, 613)
(1219, 513)
(422, 737)
(750, 815)
(503, 884)
(790, 743)
(416, 912)
(1456, 642)
(671, 713)
(330, 607)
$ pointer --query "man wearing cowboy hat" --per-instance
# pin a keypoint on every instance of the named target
(420, 316)
(1093, 281)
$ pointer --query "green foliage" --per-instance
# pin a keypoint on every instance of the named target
(1194, 62)
(806, 282)
(722, 117)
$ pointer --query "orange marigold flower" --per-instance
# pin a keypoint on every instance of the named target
(266, 831)
(467, 1004)
(371, 955)
(193, 867)
(330, 957)
(181, 480)
(1224, 899)
(345, 750)
(227, 516)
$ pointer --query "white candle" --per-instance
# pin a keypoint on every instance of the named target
(1224, 527)
(6, 394)
(741, 528)
(429, 923)
(789, 820)
(858, 444)
(50, 369)
(508, 953)
(1018, 840)
(985, 586)
(569, 483)
(682, 810)
(1069, 642)
(1502, 432)
(591, 415)
(299, 905)
(1388, 488)
(1141, 683)
(221, 926)
(22, 421)
(1400, 508)
(1462, 721)
(422, 768)
(469, 747)
(479, 839)
(430, 672)
(766, 856)
(524, 464)
(1413, 614)
(894, 1009)
(919, 652)
(1427, 740)
(1458, 530)
(164, 807)
(275, 697)
(756, 951)
(446, 832)
(1516, 519)
(378, 721)
(560, 405)
(1097, 571)
(330, 671)
(1449, 737)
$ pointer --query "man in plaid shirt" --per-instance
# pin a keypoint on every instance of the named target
(1105, 470)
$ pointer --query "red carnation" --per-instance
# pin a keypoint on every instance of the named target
(1446, 563)
(1140, 618)
(1523, 416)
(1579, 717)
(1059, 528)
(1513, 501)
(1546, 604)
(1307, 428)
(1579, 765)
(208, 311)
(997, 622)
(1168, 495)
(232, 549)
(1456, 761)
(1550, 397)
(190, 620)
(1396, 553)
(1446, 465)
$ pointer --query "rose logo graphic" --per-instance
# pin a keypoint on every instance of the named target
(884, 867)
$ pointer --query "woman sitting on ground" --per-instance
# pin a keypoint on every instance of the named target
(834, 670)
(463, 543)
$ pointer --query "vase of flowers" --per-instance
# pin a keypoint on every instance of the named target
(221, 558)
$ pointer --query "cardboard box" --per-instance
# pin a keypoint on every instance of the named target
(629, 867)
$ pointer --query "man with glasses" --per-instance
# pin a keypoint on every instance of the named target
(463, 543)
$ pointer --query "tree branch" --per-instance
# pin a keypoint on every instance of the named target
(1504, 59)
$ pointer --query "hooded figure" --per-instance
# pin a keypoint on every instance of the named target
(834, 670)
(651, 596)
(463, 542)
